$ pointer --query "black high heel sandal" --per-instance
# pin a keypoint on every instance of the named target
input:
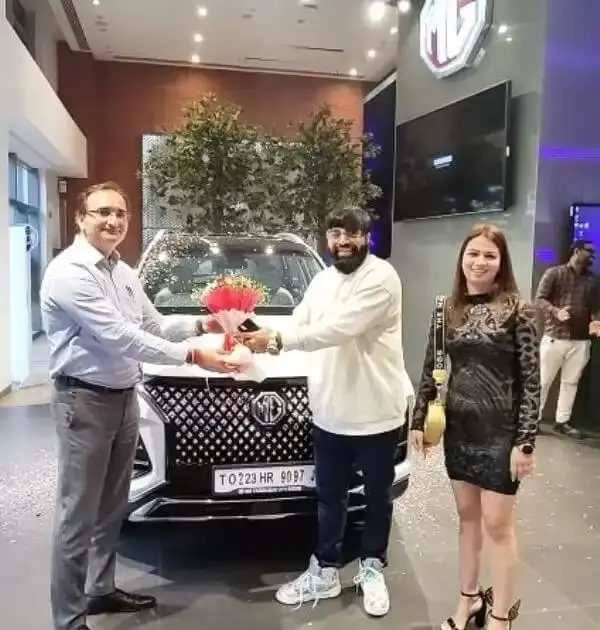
(478, 616)
(509, 619)
(513, 613)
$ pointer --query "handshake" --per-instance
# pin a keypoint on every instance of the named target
(260, 341)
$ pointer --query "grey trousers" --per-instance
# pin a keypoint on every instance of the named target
(97, 440)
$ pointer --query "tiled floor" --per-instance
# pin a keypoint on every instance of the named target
(214, 577)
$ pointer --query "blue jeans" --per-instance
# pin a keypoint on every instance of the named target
(336, 459)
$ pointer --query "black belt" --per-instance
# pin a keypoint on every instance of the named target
(71, 381)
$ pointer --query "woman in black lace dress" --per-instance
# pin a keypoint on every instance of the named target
(492, 410)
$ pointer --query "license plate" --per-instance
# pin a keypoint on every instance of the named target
(263, 479)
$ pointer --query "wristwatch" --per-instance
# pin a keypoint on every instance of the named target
(275, 344)
(526, 449)
(200, 327)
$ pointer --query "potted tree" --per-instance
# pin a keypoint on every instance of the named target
(223, 175)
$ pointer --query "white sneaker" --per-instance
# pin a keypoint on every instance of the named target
(314, 584)
(376, 599)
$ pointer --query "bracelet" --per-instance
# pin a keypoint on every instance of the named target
(194, 357)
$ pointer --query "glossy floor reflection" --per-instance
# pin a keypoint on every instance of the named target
(214, 576)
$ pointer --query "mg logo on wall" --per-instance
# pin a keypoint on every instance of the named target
(452, 33)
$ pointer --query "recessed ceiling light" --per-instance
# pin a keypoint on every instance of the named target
(404, 6)
(198, 38)
(353, 72)
(502, 29)
(394, 30)
(371, 54)
(96, 2)
(509, 39)
(202, 11)
(377, 10)
(195, 58)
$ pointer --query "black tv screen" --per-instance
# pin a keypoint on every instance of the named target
(454, 160)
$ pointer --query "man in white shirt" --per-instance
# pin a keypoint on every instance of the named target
(351, 318)
(100, 325)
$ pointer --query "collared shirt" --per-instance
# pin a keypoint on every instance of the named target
(99, 322)
(563, 286)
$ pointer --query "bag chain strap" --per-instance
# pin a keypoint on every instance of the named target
(439, 344)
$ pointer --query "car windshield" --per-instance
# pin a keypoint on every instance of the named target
(179, 267)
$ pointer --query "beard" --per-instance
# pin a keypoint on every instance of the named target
(350, 263)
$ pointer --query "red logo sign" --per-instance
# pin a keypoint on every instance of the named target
(452, 33)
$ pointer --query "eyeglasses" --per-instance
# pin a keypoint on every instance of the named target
(105, 213)
(337, 234)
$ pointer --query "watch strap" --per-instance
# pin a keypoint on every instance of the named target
(200, 326)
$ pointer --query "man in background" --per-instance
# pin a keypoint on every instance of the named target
(100, 326)
(351, 320)
(569, 296)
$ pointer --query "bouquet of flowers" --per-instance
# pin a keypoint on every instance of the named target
(231, 299)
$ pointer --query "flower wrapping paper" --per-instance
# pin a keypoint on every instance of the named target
(232, 300)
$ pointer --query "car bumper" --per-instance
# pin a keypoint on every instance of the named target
(155, 505)
(157, 494)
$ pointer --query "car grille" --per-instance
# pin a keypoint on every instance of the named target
(213, 422)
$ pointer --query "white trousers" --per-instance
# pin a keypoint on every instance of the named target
(568, 357)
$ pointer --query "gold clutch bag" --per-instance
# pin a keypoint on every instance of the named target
(435, 422)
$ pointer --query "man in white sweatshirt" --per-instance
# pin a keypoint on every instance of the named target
(351, 318)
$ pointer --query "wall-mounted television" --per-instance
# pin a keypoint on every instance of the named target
(455, 160)
(585, 225)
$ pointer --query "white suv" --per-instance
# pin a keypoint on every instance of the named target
(217, 448)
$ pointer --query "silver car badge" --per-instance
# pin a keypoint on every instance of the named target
(268, 408)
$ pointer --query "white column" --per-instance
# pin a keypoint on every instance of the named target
(5, 370)
(5, 378)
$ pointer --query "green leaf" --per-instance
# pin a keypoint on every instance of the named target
(224, 175)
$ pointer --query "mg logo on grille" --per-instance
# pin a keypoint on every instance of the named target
(452, 33)
(268, 408)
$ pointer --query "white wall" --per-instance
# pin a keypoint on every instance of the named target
(4, 266)
(36, 117)
(5, 378)
(36, 126)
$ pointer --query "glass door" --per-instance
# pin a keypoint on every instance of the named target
(24, 204)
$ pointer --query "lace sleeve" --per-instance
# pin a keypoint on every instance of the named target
(426, 391)
(527, 347)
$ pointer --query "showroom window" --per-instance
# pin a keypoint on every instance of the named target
(24, 202)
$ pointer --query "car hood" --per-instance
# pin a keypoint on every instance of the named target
(286, 365)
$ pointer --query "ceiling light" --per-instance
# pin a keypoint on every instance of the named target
(371, 54)
(95, 2)
(198, 38)
(202, 11)
(394, 30)
(502, 29)
(353, 72)
(377, 10)
(509, 39)
(195, 58)
(404, 6)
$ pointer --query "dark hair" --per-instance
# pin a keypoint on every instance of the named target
(90, 190)
(577, 245)
(351, 219)
(505, 285)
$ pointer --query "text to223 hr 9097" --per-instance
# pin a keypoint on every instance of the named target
(266, 478)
